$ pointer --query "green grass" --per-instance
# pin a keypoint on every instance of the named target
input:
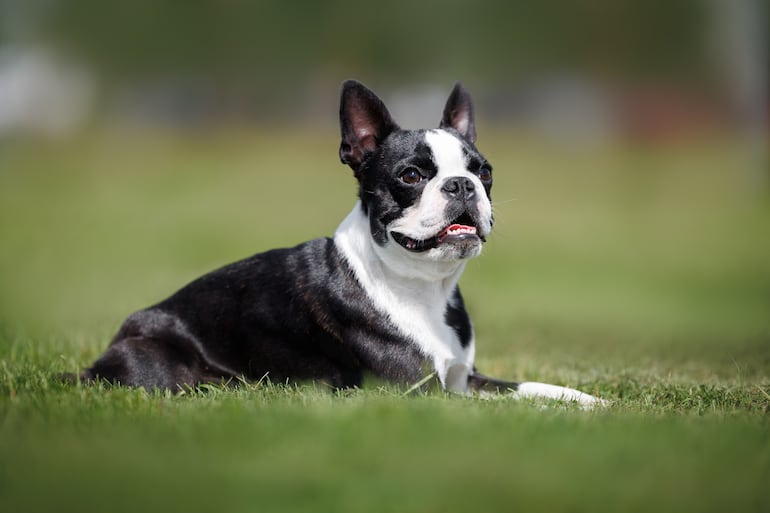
(641, 275)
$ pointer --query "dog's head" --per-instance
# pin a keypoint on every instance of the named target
(426, 193)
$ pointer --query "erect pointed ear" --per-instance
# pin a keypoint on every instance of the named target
(458, 113)
(364, 122)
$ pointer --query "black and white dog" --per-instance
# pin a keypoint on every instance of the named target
(380, 297)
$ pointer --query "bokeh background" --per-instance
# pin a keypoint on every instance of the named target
(575, 70)
(143, 143)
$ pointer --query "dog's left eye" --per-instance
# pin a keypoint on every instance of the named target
(485, 174)
(411, 176)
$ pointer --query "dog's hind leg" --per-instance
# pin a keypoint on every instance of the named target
(150, 363)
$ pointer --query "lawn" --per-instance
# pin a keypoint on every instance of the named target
(636, 273)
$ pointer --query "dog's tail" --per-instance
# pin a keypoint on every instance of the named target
(67, 378)
(71, 378)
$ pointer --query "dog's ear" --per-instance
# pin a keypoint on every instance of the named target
(458, 113)
(364, 122)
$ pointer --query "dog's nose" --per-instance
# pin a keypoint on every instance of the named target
(459, 187)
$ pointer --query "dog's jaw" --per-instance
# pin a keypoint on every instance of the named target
(354, 239)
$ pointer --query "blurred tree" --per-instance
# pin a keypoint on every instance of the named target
(294, 39)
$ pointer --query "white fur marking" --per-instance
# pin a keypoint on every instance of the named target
(447, 154)
(452, 162)
(414, 302)
(531, 389)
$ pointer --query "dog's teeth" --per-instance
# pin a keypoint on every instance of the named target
(461, 229)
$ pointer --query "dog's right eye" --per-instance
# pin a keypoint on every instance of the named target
(411, 176)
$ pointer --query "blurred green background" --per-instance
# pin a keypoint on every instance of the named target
(145, 143)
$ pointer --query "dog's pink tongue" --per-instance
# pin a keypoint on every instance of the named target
(457, 229)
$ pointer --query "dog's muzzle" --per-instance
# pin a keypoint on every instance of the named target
(462, 230)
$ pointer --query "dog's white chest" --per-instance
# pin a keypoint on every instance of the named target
(421, 315)
(417, 307)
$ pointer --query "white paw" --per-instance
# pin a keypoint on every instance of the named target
(531, 389)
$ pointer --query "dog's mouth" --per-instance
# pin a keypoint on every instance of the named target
(461, 230)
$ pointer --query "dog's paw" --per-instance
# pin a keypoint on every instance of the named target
(534, 390)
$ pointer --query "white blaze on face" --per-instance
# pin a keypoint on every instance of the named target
(451, 161)
(447, 154)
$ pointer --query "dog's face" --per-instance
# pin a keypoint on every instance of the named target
(426, 192)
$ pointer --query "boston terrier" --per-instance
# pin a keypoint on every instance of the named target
(379, 298)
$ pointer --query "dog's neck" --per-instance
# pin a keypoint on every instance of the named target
(402, 271)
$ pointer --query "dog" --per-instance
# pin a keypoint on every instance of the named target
(379, 298)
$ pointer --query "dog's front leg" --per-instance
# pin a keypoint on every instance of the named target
(478, 382)
(457, 378)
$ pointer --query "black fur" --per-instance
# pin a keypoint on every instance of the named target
(458, 319)
(288, 314)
